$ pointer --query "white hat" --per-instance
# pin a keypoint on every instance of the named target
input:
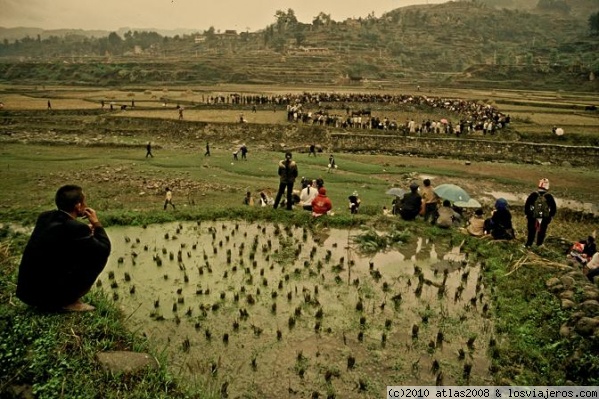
(544, 184)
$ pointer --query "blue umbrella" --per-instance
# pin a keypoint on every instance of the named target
(452, 192)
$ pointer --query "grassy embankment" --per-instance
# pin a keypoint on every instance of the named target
(54, 353)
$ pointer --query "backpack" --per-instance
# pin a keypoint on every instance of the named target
(540, 208)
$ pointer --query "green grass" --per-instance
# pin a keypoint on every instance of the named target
(527, 319)
(54, 354)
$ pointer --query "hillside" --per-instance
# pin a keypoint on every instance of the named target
(451, 43)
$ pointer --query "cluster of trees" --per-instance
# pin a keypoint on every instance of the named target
(594, 24)
(82, 45)
(398, 34)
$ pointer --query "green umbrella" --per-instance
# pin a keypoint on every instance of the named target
(451, 192)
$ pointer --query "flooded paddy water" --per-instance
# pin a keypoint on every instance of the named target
(261, 310)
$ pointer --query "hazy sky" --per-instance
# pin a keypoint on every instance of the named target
(171, 14)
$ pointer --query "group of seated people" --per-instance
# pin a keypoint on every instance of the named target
(584, 253)
(312, 197)
(413, 204)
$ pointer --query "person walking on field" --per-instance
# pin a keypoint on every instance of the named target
(64, 255)
(149, 150)
(168, 199)
(207, 153)
(332, 165)
(287, 175)
(312, 150)
(540, 208)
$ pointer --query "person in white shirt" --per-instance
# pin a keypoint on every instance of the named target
(307, 195)
(592, 267)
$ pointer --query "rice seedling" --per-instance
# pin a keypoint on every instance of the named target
(439, 379)
(415, 330)
(351, 362)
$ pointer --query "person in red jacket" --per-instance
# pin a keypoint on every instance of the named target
(321, 205)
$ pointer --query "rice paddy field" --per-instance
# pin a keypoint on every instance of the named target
(256, 302)
(270, 310)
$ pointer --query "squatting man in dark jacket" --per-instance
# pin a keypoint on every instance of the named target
(64, 255)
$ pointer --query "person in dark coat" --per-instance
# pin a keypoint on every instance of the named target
(410, 203)
(354, 202)
(64, 255)
(500, 223)
(287, 175)
(537, 220)
(244, 152)
(149, 150)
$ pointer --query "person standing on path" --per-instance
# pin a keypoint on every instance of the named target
(168, 199)
(287, 175)
(540, 208)
(149, 150)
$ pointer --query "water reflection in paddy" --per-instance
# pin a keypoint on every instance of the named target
(265, 309)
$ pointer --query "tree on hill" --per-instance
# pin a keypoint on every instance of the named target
(322, 19)
(594, 24)
(285, 20)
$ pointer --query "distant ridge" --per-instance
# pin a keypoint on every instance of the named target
(12, 34)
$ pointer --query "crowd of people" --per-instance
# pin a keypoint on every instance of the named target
(471, 115)
(540, 208)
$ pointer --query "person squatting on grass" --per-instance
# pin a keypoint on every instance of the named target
(476, 224)
(499, 225)
(287, 175)
(445, 217)
(322, 204)
(308, 193)
(354, 202)
(64, 255)
(540, 208)
(410, 203)
(168, 198)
